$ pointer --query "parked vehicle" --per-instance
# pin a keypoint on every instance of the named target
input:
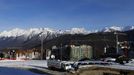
(57, 64)
(110, 59)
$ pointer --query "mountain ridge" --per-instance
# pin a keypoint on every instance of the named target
(22, 38)
(16, 32)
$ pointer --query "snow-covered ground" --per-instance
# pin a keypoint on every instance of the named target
(7, 67)
(120, 67)
(23, 63)
(131, 63)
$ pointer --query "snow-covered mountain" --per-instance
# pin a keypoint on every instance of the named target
(17, 32)
(23, 37)
(20, 37)
(111, 29)
(20, 32)
(117, 28)
(34, 31)
(128, 28)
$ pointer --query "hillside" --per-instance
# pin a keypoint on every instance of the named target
(28, 39)
(97, 40)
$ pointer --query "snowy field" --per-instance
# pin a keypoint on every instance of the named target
(9, 67)
(23, 63)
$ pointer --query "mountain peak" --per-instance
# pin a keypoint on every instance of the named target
(112, 28)
(117, 28)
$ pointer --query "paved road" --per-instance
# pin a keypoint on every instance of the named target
(13, 71)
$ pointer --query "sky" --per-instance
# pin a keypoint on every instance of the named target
(65, 14)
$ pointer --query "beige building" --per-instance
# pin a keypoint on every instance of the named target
(18, 54)
(27, 54)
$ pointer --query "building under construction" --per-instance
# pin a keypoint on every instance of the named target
(72, 52)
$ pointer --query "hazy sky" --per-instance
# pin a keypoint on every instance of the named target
(65, 14)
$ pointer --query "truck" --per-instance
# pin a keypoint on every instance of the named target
(58, 64)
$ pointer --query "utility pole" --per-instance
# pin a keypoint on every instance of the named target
(117, 40)
(117, 48)
(42, 39)
(41, 49)
(61, 53)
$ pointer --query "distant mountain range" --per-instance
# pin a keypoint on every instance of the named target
(28, 33)
(34, 31)
(23, 38)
